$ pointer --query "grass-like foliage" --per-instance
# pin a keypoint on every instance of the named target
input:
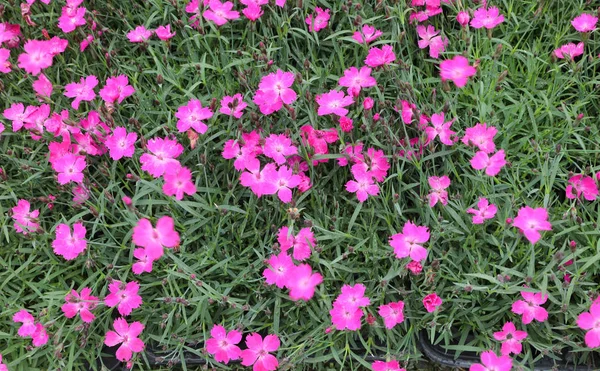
(257, 184)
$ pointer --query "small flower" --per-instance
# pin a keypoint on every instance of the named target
(458, 70)
(40, 336)
(144, 263)
(569, 51)
(126, 335)
(192, 116)
(36, 57)
(531, 308)
(414, 267)
(486, 211)
(353, 296)
(492, 164)
(346, 316)
(429, 38)
(333, 102)
(69, 245)
(379, 57)
(463, 18)
(280, 267)
(124, 296)
(438, 190)
(220, 13)
(392, 314)
(42, 86)
(366, 34)
(431, 302)
(82, 304)
(585, 22)
(28, 323)
(355, 79)
(25, 220)
(278, 147)
(510, 338)
(139, 34)
(386, 366)
(440, 129)
(482, 137)
(163, 154)
(253, 12)
(120, 143)
(258, 351)
(301, 242)
(154, 239)
(223, 345)
(318, 21)
(530, 221)
(363, 186)
(178, 181)
(488, 18)
(4, 63)
(116, 89)
(164, 32)
(82, 91)
(408, 243)
(590, 321)
(233, 106)
(491, 362)
(302, 282)
(582, 185)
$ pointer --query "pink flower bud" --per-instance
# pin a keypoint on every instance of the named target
(368, 103)
(376, 117)
(463, 18)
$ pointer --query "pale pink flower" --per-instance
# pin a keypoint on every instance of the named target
(380, 57)
(492, 164)
(116, 89)
(481, 136)
(128, 336)
(260, 181)
(28, 323)
(590, 321)
(139, 34)
(120, 143)
(164, 32)
(386, 366)
(363, 186)
(486, 211)
(488, 18)
(222, 344)
(463, 18)
(80, 194)
(192, 116)
(220, 13)
(582, 185)
(69, 245)
(318, 21)
(531, 308)
(301, 281)
(530, 221)
(408, 243)
(155, 239)
(279, 269)
(278, 147)
(42, 86)
(80, 303)
(285, 180)
(36, 57)
(258, 351)
(82, 91)
(491, 362)
(144, 263)
(233, 106)
(429, 38)
(301, 243)
(510, 338)
(355, 79)
(432, 302)
(4, 63)
(69, 168)
(25, 220)
(458, 70)
(366, 34)
(569, 51)
(441, 129)
(124, 296)
(585, 22)
(178, 181)
(333, 103)
(71, 17)
(163, 152)
(438, 190)
(392, 314)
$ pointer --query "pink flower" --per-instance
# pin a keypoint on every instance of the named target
(17, 113)
(274, 91)
(463, 18)
(71, 17)
(85, 42)
(372, 163)
(116, 89)
(144, 263)
(346, 124)
(579, 185)
(36, 57)
(69, 245)
(253, 12)
(3, 367)
(429, 38)
(9, 34)
(177, 182)
(366, 34)
(368, 103)
(491, 362)
(4, 63)
(258, 351)
(585, 22)
(301, 243)
(441, 129)
(42, 86)
(333, 103)
(277, 147)
(531, 221)
(25, 221)
(223, 345)
(355, 79)
(40, 336)
(164, 32)
(69, 168)
(482, 137)
(569, 51)
(245, 157)
(492, 164)
(233, 106)
(510, 338)
(302, 282)
(280, 267)
(408, 110)
(431, 302)
(458, 70)
(120, 143)
(155, 239)
(438, 190)
(392, 314)
(139, 35)
(346, 317)
(591, 321)
(531, 308)
(353, 296)
(318, 140)
(192, 116)
(82, 304)
(28, 323)
(219, 12)
(363, 186)
(162, 156)
(285, 180)
(380, 57)
(414, 267)
(488, 18)
(260, 181)
(407, 243)
(317, 22)
(486, 211)
(386, 366)
(124, 296)
(126, 335)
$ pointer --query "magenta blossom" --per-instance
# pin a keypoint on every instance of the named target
(258, 352)
(120, 143)
(5, 66)
(144, 263)
(333, 102)
(491, 362)
(486, 211)
(192, 116)
(82, 304)
(488, 18)
(139, 34)
(223, 345)
(386, 366)
(278, 147)
(280, 267)
(161, 157)
(42, 86)
(482, 137)
(82, 91)
(569, 51)
(274, 90)
(531, 308)
(178, 181)
(68, 245)
(590, 321)
(530, 221)
(363, 186)
(126, 335)
(355, 79)
(25, 220)
(458, 70)
(463, 18)
(432, 302)
(510, 338)
(346, 317)
(353, 296)
(71, 18)
(438, 190)
(285, 180)
(27, 323)
(36, 57)
(429, 38)
(392, 314)
(302, 282)
(366, 34)
(260, 181)
(220, 13)
(301, 242)
(116, 89)
(164, 32)
(582, 185)
(408, 243)
(233, 106)
(318, 21)
(124, 296)
(380, 57)
(40, 336)
(155, 239)
(492, 164)
(585, 22)
(440, 129)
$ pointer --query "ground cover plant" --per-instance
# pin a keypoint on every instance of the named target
(298, 184)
